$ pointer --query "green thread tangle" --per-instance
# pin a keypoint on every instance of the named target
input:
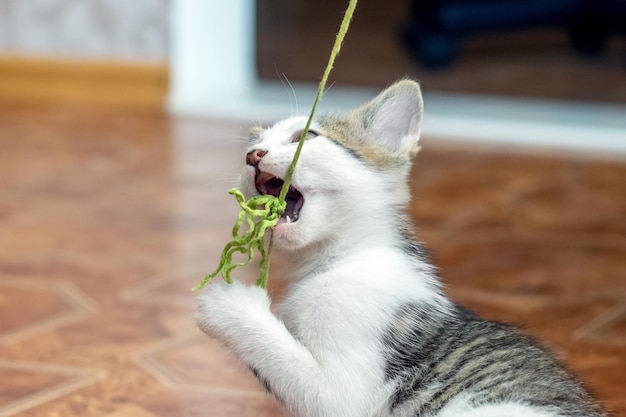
(263, 212)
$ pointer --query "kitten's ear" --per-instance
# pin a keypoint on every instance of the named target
(393, 119)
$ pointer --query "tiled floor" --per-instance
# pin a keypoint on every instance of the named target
(108, 218)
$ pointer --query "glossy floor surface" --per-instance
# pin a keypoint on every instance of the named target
(108, 218)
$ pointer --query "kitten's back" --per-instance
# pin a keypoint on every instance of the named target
(437, 360)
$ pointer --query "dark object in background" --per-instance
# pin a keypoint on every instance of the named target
(436, 28)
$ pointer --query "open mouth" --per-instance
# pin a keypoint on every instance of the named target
(269, 184)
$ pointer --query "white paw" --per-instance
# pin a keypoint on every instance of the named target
(225, 309)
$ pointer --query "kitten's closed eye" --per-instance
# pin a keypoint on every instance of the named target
(310, 134)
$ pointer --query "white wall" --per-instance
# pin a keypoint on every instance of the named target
(101, 29)
(212, 59)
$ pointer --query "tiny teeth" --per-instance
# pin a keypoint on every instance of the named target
(288, 219)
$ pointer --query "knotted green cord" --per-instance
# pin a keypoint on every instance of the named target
(267, 209)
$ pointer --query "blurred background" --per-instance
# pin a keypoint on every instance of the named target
(563, 49)
(122, 126)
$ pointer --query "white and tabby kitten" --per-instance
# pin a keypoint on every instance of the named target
(365, 329)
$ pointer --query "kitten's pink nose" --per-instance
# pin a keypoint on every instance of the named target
(254, 157)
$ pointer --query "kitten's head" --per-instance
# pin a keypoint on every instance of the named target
(352, 173)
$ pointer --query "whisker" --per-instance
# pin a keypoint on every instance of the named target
(258, 116)
(327, 89)
(230, 182)
(280, 77)
(240, 139)
(295, 96)
(230, 140)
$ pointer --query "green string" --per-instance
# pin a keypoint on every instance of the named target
(266, 209)
(343, 29)
(263, 212)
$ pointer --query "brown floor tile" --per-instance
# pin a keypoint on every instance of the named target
(218, 405)
(198, 363)
(30, 384)
(561, 266)
(16, 314)
(21, 383)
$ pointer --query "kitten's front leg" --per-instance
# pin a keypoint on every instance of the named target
(239, 316)
(224, 309)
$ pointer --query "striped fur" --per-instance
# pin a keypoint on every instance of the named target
(436, 359)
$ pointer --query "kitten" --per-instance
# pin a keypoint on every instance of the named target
(365, 329)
